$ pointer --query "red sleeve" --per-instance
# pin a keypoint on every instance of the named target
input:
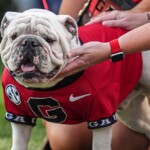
(98, 32)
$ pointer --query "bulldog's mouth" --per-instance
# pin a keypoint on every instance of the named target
(29, 72)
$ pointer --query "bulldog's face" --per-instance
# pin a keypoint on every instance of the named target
(35, 45)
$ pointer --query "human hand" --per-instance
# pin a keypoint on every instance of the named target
(85, 56)
(123, 19)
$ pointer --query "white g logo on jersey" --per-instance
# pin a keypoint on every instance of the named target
(13, 94)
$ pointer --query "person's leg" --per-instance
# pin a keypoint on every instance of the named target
(126, 139)
(69, 137)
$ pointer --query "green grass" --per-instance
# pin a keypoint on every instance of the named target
(37, 136)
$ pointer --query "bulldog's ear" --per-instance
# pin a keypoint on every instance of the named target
(8, 17)
(70, 24)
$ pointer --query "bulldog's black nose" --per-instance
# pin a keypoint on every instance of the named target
(29, 43)
(29, 48)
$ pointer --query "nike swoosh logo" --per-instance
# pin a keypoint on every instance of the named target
(76, 98)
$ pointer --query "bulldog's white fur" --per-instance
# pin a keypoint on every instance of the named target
(134, 111)
(39, 26)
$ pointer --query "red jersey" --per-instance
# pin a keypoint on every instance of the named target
(99, 6)
(92, 95)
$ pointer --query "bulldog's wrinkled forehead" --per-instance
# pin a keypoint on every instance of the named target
(33, 18)
(39, 22)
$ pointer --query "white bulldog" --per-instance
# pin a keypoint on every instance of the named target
(33, 50)
(28, 32)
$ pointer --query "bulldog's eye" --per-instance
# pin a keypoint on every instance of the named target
(49, 40)
(14, 36)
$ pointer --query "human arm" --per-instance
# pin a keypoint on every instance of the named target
(123, 19)
(136, 40)
(143, 6)
(95, 52)
(71, 7)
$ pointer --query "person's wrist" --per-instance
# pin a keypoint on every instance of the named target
(116, 52)
(108, 50)
(101, 51)
(104, 51)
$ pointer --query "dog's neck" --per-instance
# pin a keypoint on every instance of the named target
(47, 84)
(61, 84)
